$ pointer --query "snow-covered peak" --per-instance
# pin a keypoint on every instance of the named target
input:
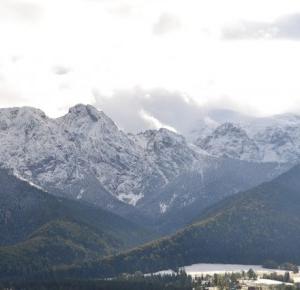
(91, 127)
(16, 112)
(264, 139)
(88, 114)
(283, 121)
(158, 139)
(279, 143)
(166, 133)
(229, 128)
(21, 117)
(81, 111)
(229, 140)
(168, 152)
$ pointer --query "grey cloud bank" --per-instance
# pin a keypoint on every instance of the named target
(285, 27)
(127, 108)
(170, 108)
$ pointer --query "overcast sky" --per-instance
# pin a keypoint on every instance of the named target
(142, 60)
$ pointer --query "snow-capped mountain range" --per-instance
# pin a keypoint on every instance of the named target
(272, 139)
(86, 144)
(84, 155)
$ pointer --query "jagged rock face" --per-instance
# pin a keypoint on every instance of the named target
(84, 150)
(58, 153)
(277, 137)
(273, 139)
(169, 152)
(277, 144)
(230, 140)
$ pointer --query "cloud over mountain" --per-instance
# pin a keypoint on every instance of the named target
(139, 109)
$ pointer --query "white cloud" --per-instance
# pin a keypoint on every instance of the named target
(166, 23)
(110, 45)
(138, 109)
(25, 10)
(153, 122)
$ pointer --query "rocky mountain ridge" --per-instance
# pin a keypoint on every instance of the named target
(85, 150)
(84, 155)
(272, 139)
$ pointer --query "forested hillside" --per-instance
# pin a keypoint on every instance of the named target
(252, 227)
(39, 231)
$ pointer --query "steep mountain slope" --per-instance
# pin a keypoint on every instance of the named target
(40, 228)
(169, 152)
(182, 199)
(260, 224)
